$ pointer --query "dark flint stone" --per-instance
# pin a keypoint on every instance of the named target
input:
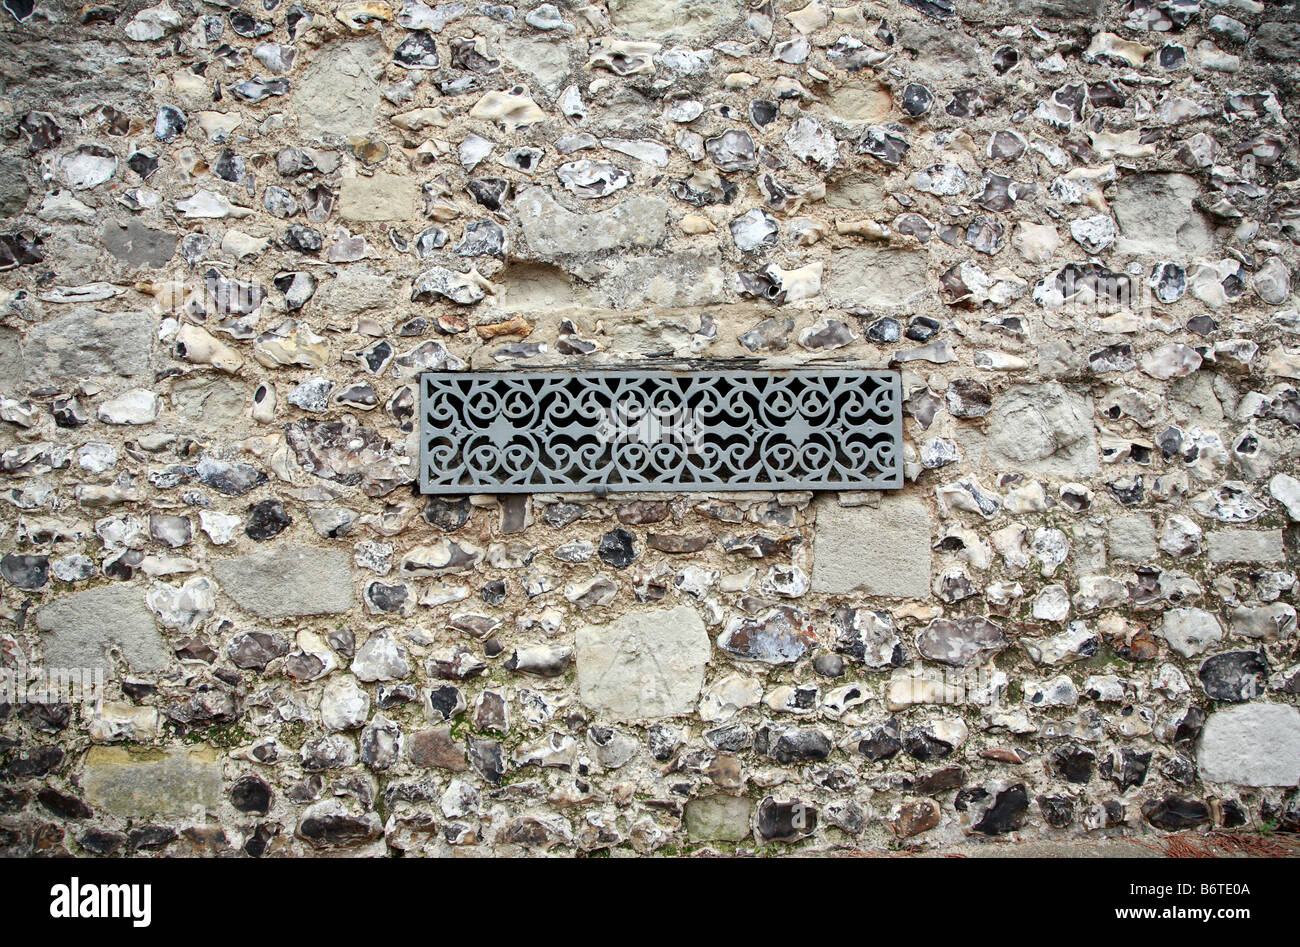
(1129, 770)
(101, 842)
(1235, 676)
(62, 805)
(881, 741)
(248, 27)
(447, 515)
(488, 759)
(922, 745)
(334, 829)
(36, 762)
(1008, 812)
(251, 794)
(445, 701)
(387, 598)
(1175, 812)
(801, 746)
(255, 649)
(940, 780)
(1058, 811)
(917, 99)
(785, 821)
(1073, 763)
(417, 51)
(151, 836)
(938, 9)
(730, 738)
(617, 548)
(494, 592)
(266, 518)
(24, 571)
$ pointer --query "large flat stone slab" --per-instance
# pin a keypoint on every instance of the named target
(85, 343)
(883, 551)
(1253, 744)
(150, 783)
(81, 628)
(644, 665)
(288, 581)
(1045, 429)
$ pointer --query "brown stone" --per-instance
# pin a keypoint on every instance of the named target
(915, 817)
(675, 544)
(436, 749)
(515, 325)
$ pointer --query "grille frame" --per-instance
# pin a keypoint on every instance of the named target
(440, 390)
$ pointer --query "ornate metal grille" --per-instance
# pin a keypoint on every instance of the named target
(605, 431)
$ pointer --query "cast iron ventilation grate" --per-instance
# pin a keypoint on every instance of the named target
(606, 431)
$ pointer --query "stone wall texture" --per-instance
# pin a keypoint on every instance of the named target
(235, 233)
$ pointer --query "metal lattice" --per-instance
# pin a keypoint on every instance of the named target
(606, 431)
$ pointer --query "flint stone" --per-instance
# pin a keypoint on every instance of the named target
(84, 343)
(1044, 429)
(644, 665)
(289, 581)
(881, 551)
(82, 626)
(152, 783)
(1251, 745)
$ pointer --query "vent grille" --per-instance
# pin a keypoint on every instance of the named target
(623, 431)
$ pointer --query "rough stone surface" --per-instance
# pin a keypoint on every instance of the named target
(882, 551)
(81, 629)
(234, 235)
(287, 581)
(644, 665)
(168, 783)
(1251, 745)
(87, 343)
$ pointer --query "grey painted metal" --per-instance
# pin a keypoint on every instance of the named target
(600, 431)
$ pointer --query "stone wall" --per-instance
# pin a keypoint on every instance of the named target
(235, 235)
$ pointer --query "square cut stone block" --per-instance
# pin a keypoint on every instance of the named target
(145, 783)
(1245, 545)
(883, 550)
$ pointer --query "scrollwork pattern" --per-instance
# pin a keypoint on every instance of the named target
(619, 431)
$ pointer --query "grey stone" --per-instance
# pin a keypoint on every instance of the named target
(137, 245)
(1132, 538)
(880, 551)
(1191, 631)
(337, 94)
(14, 189)
(81, 628)
(719, 818)
(1157, 217)
(1279, 41)
(141, 784)
(288, 581)
(85, 343)
(11, 359)
(1045, 429)
(644, 665)
(1254, 744)
(1245, 545)
(553, 233)
(872, 278)
(1079, 13)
